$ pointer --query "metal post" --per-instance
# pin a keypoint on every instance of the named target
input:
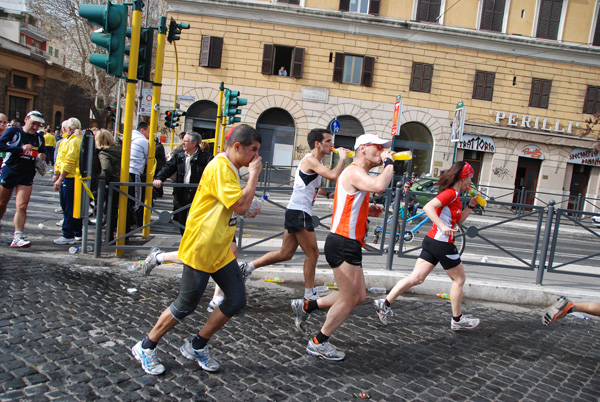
(89, 138)
(545, 242)
(117, 125)
(99, 214)
(393, 229)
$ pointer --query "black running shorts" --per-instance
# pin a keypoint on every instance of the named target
(339, 249)
(445, 253)
(295, 221)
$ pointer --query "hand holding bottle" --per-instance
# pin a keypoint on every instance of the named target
(473, 193)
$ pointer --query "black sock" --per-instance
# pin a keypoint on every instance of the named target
(387, 303)
(310, 306)
(571, 310)
(457, 319)
(320, 338)
(148, 344)
(199, 342)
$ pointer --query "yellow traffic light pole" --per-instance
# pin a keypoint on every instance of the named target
(218, 127)
(136, 26)
(151, 168)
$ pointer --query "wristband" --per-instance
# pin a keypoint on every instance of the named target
(469, 206)
(387, 162)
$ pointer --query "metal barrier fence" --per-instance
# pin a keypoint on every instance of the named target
(540, 254)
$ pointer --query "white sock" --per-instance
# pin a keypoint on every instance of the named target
(18, 235)
(251, 267)
(218, 300)
(159, 258)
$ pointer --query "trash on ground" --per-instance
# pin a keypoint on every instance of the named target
(443, 296)
(131, 290)
(274, 280)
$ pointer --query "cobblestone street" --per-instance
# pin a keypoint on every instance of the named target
(66, 333)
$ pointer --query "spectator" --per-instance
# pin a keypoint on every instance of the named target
(3, 126)
(23, 147)
(189, 166)
(65, 181)
(109, 155)
(50, 143)
(137, 164)
(283, 71)
(413, 204)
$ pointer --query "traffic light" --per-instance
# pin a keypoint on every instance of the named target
(175, 29)
(113, 20)
(145, 53)
(232, 101)
(172, 117)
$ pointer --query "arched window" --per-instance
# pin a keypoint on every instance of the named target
(417, 138)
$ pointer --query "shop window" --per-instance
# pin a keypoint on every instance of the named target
(294, 2)
(277, 56)
(483, 88)
(428, 10)
(420, 80)
(360, 6)
(211, 51)
(353, 69)
(492, 15)
(19, 81)
(540, 93)
(592, 100)
(549, 19)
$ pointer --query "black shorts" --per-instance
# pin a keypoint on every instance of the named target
(295, 221)
(10, 178)
(445, 253)
(339, 249)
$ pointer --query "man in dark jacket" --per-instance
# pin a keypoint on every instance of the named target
(189, 166)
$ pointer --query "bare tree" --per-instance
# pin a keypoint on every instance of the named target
(61, 21)
(591, 123)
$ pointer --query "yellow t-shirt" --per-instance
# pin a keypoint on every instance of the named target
(49, 140)
(206, 242)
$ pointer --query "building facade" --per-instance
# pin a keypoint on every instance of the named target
(527, 72)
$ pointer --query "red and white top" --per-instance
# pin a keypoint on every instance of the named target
(350, 211)
(450, 212)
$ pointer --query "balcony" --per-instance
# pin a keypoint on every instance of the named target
(32, 31)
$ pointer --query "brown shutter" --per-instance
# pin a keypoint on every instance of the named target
(297, 62)
(549, 19)
(488, 91)
(492, 15)
(427, 76)
(216, 51)
(267, 63)
(545, 95)
(534, 96)
(344, 5)
(374, 7)
(338, 67)
(367, 73)
(478, 85)
(415, 80)
(204, 51)
(590, 96)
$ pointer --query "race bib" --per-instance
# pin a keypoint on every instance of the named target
(32, 153)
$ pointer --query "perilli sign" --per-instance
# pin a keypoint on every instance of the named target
(534, 122)
(532, 151)
(582, 156)
(477, 143)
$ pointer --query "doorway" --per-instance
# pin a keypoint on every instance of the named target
(278, 131)
(528, 171)
(578, 189)
(416, 138)
(474, 159)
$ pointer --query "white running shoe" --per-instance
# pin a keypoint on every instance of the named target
(64, 240)
(20, 243)
(382, 310)
(201, 356)
(466, 322)
(213, 305)
(150, 262)
(324, 350)
(246, 272)
(300, 315)
(148, 358)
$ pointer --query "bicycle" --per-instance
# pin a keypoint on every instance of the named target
(409, 234)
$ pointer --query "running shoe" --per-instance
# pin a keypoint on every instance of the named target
(558, 310)
(40, 167)
(64, 240)
(324, 350)
(150, 262)
(466, 322)
(78, 238)
(201, 356)
(20, 243)
(148, 358)
(246, 272)
(300, 315)
(382, 311)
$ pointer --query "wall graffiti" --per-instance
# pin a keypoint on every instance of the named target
(501, 172)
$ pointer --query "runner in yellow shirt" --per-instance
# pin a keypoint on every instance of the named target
(205, 251)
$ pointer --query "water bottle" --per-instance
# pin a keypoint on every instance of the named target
(75, 250)
(376, 289)
(321, 289)
(579, 315)
(256, 204)
(443, 296)
(274, 280)
(473, 193)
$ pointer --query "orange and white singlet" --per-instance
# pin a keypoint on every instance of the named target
(350, 211)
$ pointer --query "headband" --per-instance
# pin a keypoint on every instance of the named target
(466, 171)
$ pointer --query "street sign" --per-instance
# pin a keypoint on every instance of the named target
(335, 126)
(397, 114)
(146, 105)
(458, 122)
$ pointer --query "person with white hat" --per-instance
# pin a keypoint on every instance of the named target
(343, 245)
(23, 147)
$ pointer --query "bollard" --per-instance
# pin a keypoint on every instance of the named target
(99, 215)
(545, 241)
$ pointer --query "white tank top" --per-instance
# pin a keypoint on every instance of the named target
(306, 186)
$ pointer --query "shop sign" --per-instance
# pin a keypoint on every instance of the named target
(582, 156)
(315, 94)
(534, 122)
(532, 151)
(477, 143)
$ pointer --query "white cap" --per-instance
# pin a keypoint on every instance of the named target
(34, 115)
(371, 139)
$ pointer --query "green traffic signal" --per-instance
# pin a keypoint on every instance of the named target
(113, 20)
(175, 29)
(172, 117)
(232, 101)
(144, 54)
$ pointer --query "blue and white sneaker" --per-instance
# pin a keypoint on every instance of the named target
(150, 262)
(201, 356)
(148, 358)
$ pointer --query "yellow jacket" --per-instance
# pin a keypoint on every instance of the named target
(70, 157)
(49, 140)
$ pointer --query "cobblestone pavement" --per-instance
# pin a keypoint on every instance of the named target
(66, 333)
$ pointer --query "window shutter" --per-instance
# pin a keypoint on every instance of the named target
(297, 62)
(478, 85)
(204, 51)
(344, 5)
(367, 73)
(415, 81)
(374, 7)
(427, 76)
(534, 96)
(488, 91)
(492, 15)
(545, 95)
(428, 10)
(216, 50)
(590, 99)
(267, 63)
(549, 19)
(338, 67)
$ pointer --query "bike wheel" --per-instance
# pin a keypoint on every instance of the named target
(460, 239)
